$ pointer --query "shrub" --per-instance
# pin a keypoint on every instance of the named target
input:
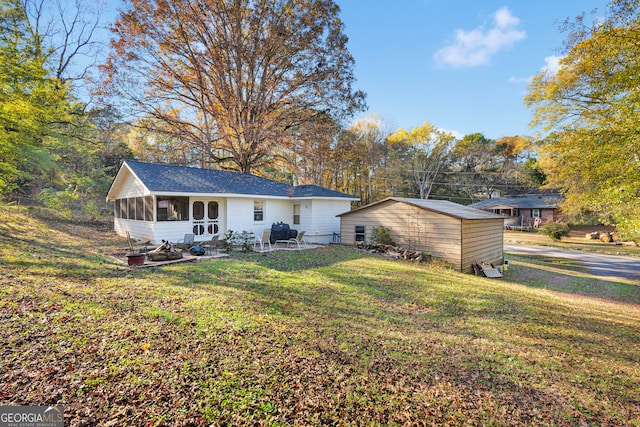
(227, 241)
(555, 230)
(382, 235)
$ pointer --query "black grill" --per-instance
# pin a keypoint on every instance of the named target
(280, 231)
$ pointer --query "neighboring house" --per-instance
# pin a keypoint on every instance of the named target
(451, 232)
(524, 211)
(161, 202)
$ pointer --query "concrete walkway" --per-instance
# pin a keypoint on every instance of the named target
(597, 264)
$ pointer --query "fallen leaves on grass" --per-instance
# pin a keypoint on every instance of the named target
(321, 337)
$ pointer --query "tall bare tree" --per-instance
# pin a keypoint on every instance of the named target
(233, 76)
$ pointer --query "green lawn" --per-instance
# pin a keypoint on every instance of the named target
(326, 336)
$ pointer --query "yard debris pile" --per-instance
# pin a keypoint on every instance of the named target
(165, 252)
(395, 252)
(488, 270)
(608, 237)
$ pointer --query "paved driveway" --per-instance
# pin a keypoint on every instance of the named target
(597, 264)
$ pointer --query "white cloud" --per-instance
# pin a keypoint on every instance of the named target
(476, 47)
(551, 69)
(455, 133)
(553, 65)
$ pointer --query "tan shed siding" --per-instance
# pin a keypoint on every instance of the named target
(370, 218)
(410, 227)
(483, 241)
(435, 233)
(448, 238)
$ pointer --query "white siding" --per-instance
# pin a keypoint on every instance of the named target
(171, 231)
(240, 214)
(321, 221)
(129, 187)
(140, 230)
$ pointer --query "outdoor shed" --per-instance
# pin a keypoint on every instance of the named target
(454, 233)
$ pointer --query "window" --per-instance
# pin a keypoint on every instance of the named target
(296, 214)
(360, 233)
(132, 208)
(140, 208)
(123, 209)
(258, 210)
(535, 213)
(173, 209)
(213, 214)
(212, 210)
(148, 208)
(198, 210)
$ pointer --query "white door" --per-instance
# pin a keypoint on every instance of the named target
(205, 219)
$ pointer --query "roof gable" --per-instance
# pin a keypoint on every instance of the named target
(158, 178)
(439, 206)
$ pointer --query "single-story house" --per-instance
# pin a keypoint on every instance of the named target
(455, 233)
(524, 211)
(162, 202)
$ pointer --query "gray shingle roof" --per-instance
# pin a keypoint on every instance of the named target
(440, 206)
(550, 201)
(316, 191)
(181, 179)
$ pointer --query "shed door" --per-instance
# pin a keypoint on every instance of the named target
(206, 219)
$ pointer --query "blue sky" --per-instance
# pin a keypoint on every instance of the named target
(461, 65)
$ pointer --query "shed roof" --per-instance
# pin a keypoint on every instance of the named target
(440, 206)
(158, 178)
(548, 201)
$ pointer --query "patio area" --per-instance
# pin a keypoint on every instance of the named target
(122, 258)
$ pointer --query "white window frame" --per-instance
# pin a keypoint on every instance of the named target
(259, 210)
(536, 213)
(296, 216)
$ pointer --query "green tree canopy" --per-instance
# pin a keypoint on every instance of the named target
(589, 111)
(32, 100)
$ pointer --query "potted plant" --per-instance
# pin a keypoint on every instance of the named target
(133, 259)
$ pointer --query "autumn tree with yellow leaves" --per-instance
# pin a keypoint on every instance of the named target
(589, 114)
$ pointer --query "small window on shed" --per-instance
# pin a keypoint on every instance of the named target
(360, 233)
(535, 213)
